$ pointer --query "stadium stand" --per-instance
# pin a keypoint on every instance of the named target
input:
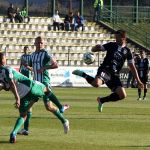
(68, 47)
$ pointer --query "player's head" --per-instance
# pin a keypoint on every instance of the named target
(26, 48)
(142, 53)
(2, 59)
(39, 43)
(120, 36)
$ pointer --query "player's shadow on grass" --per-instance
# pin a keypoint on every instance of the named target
(4, 142)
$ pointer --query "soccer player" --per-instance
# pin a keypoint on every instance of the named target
(108, 72)
(25, 69)
(41, 61)
(26, 92)
(143, 68)
(25, 60)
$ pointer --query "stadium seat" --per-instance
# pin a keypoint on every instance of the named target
(58, 42)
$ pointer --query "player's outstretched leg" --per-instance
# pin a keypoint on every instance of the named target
(56, 101)
(66, 126)
(64, 121)
(50, 107)
(78, 73)
(110, 98)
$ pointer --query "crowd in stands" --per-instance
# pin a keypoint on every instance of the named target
(17, 15)
(72, 22)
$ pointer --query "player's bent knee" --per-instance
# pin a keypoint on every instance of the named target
(23, 115)
(49, 107)
(96, 83)
(122, 96)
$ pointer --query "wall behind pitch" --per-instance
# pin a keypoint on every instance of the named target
(63, 76)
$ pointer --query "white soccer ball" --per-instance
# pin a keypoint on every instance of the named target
(88, 58)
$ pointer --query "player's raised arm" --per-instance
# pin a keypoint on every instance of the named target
(13, 88)
(97, 48)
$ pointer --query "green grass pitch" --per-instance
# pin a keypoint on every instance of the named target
(123, 125)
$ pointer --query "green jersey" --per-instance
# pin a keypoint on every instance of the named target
(40, 59)
(24, 85)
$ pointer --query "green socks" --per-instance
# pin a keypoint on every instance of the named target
(60, 116)
(26, 123)
(55, 100)
(19, 123)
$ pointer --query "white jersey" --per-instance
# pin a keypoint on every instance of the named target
(40, 59)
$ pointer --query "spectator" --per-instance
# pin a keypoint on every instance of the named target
(98, 6)
(57, 21)
(24, 14)
(79, 21)
(11, 13)
(69, 22)
(18, 16)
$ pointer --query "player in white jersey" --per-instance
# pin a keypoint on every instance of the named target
(26, 92)
(25, 69)
(25, 59)
(41, 61)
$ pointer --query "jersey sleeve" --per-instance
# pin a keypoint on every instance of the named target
(107, 46)
(8, 74)
(48, 58)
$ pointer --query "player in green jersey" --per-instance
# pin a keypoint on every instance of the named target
(26, 92)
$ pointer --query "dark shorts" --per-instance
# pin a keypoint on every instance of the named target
(144, 79)
(111, 80)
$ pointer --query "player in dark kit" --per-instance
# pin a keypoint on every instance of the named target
(143, 68)
(108, 72)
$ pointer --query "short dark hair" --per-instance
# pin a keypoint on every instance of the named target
(141, 51)
(122, 33)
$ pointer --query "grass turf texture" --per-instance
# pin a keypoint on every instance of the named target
(123, 125)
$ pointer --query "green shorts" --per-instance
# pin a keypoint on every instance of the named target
(36, 92)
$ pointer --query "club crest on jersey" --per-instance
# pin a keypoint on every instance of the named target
(125, 51)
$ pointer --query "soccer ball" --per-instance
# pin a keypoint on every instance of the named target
(88, 58)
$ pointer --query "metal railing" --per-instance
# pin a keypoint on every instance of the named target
(134, 32)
